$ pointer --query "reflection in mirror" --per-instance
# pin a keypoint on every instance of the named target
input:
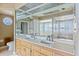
(63, 28)
(46, 27)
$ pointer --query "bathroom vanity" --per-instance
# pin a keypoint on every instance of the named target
(32, 47)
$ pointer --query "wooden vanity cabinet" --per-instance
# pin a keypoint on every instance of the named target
(25, 48)
(21, 48)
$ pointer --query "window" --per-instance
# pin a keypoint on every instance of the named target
(46, 26)
(24, 28)
(78, 24)
(63, 26)
(69, 26)
(41, 27)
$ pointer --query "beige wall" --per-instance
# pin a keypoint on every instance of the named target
(5, 31)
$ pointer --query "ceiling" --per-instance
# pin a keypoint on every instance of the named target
(9, 8)
(41, 9)
(31, 8)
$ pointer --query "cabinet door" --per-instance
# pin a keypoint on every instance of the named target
(25, 43)
(18, 47)
(36, 47)
(23, 51)
(46, 51)
(36, 53)
(39, 50)
(26, 51)
(22, 48)
(18, 51)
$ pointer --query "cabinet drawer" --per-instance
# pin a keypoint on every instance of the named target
(18, 43)
(55, 54)
(61, 53)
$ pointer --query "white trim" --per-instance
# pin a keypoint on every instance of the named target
(76, 32)
(14, 32)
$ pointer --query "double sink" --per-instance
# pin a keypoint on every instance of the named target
(36, 39)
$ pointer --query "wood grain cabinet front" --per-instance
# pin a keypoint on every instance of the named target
(36, 50)
(18, 43)
(39, 50)
(26, 43)
(36, 53)
(25, 48)
(47, 51)
(61, 53)
(25, 51)
(22, 49)
(18, 51)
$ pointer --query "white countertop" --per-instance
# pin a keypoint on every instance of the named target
(65, 41)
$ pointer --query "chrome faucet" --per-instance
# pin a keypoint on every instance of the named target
(48, 38)
(32, 36)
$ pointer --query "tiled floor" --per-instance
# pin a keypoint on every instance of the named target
(6, 53)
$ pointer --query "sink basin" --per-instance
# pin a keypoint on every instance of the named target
(45, 42)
